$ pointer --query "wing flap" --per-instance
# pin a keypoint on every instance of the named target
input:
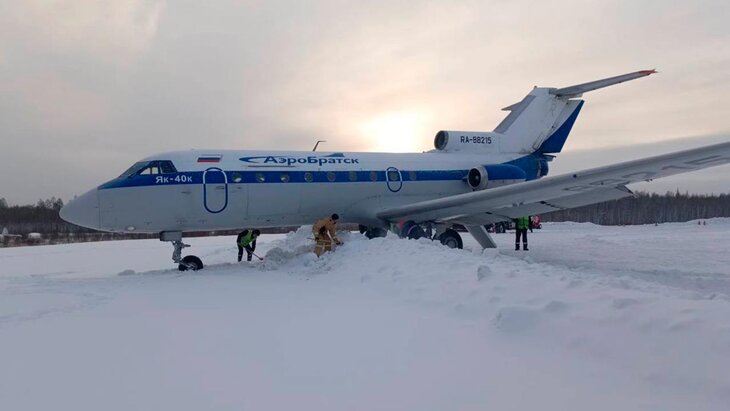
(591, 197)
(563, 191)
(598, 195)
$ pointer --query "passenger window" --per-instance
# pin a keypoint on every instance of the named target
(393, 176)
(308, 177)
(331, 177)
(284, 177)
(373, 176)
(412, 175)
(260, 177)
(237, 177)
(353, 176)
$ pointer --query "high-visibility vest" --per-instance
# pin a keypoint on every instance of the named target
(523, 223)
(246, 239)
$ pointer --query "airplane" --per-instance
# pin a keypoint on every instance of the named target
(469, 178)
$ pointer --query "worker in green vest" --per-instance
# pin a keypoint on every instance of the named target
(247, 240)
(522, 224)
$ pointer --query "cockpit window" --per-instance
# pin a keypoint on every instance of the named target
(166, 167)
(134, 169)
(150, 168)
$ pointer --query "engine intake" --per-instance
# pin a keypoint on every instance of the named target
(478, 178)
(494, 175)
(466, 141)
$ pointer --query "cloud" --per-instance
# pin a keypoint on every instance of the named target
(103, 84)
(108, 30)
(51, 103)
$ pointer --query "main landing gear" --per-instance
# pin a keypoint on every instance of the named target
(372, 232)
(450, 238)
(189, 262)
(413, 231)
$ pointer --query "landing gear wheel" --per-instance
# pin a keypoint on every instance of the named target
(190, 262)
(451, 239)
(375, 232)
(412, 231)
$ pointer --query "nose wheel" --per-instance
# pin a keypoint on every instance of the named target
(189, 262)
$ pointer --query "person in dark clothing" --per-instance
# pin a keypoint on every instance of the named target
(522, 224)
(247, 240)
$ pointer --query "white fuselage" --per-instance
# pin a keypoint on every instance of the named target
(216, 190)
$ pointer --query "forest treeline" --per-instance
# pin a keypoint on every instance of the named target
(41, 224)
(643, 208)
(42, 218)
(648, 208)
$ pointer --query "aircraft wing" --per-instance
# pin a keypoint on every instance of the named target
(559, 192)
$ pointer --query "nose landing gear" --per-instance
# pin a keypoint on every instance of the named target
(189, 262)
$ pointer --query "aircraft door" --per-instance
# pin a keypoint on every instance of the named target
(394, 179)
(215, 190)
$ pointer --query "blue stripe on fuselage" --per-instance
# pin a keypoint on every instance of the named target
(251, 177)
(530, 165)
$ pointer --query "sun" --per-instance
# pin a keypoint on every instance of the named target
(395, 132)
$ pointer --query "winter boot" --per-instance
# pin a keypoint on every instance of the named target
(517, 247)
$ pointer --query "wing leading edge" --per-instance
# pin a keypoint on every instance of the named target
(559, 192)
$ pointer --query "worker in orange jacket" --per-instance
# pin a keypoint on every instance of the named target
(325, 233)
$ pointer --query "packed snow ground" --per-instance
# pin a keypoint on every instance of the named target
(600, 318)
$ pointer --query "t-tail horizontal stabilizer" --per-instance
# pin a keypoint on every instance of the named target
(579, 89)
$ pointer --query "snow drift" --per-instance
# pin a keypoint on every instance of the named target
(593, 317)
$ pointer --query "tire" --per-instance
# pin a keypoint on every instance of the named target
(415, 232)
(412, 231)
(451, 239)
(190, 262)
(375, 232)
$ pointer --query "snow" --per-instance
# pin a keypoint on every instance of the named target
(600, 318)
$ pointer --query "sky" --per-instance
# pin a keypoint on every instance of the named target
(89, 87)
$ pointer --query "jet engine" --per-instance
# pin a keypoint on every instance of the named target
(466, 141)
(494, 175)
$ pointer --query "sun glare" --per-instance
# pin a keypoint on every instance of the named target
(395, 132)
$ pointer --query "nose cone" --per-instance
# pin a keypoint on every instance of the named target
(83, 210)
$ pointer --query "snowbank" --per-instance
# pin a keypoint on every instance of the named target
(592, 317)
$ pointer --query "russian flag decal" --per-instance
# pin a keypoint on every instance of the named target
(210, 158)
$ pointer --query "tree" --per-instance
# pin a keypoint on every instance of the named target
(645, 208)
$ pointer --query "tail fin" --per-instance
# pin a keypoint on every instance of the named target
(543, 119)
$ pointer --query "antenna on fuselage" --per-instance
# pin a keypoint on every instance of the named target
(317, 144)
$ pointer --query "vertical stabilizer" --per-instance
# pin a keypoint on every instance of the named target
(543, 119)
